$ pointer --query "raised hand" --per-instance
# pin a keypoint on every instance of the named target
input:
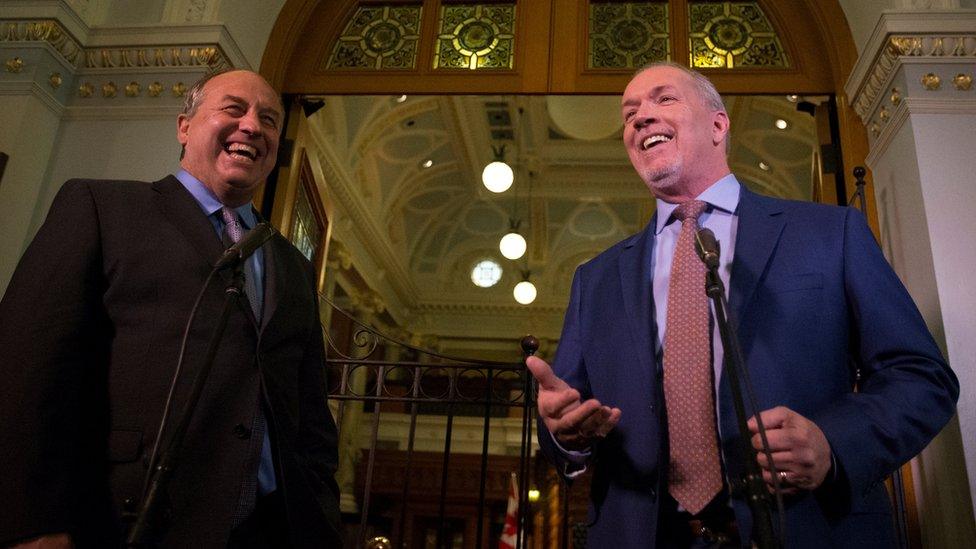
(574, 424)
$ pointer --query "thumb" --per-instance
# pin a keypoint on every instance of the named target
(542, 372)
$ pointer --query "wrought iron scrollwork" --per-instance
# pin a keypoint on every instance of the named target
(382, 404)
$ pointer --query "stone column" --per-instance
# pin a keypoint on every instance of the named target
(913, 88)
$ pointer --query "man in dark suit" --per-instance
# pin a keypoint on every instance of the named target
(814, 301)
(90, 335)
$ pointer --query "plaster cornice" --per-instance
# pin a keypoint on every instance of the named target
(183, 46)
(362, 225)
(31, 88)
(947, 36)
(887, 134)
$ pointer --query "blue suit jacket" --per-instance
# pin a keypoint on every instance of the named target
(814, 300)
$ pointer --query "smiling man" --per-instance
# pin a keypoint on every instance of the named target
(638, 392)
(91, 329)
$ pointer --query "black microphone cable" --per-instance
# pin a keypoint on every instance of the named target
(172, 385)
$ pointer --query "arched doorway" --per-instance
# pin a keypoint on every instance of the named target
(554, 47)
(432, 48)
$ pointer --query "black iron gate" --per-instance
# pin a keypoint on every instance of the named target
(418, 383)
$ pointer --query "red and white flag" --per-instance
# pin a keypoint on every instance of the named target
(509, 537)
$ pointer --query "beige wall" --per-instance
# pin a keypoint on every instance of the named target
(903, 177)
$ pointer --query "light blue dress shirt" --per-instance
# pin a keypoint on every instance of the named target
(211, 208)
(723, 199)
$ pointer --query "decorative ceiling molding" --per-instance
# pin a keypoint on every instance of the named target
(47, 31)
(209, 46)
(413, 234)
(944, 37)
(33, 89)
(912, 106)
(362, 224)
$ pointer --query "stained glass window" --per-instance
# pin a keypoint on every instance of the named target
(379, 37)
(628, 34)
(733, 35)
(476, 37)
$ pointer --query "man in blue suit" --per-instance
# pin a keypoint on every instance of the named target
(816, 305)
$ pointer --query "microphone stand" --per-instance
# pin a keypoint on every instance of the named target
(754, 487)
(140, 534)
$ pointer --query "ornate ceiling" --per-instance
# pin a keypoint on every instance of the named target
(411, 216)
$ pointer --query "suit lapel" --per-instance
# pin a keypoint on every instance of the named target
(182, 211)
(634, 265)
(760, 224)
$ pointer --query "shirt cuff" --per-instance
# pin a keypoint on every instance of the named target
(576, 460)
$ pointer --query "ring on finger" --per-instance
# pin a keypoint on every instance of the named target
(783, 477)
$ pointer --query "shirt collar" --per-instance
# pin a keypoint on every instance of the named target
(209, 203)
(722, 195)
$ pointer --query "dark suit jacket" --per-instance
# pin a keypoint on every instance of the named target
(90, 331)
(812, 296)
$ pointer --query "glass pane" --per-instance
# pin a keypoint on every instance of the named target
(628, 34)
(733, 35)
(476, 37)
(305, 231)
(379, 37)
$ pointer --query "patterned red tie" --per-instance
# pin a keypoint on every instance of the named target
(695, 474)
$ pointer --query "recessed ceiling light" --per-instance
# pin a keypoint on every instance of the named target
(763, 166)
(486, 273)
(427, 163)
(402, 98)
(782, 124)
(792, 98)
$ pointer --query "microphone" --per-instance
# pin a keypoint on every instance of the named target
(707, 248)
(251, 241)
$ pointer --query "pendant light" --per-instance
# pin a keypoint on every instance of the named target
(525, 291)
(498, 176)
(513, 244)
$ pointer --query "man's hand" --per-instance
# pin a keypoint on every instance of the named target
(50, 541)
(800, 450)
(574, 424)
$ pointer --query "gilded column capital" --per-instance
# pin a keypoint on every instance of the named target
(914, 60)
